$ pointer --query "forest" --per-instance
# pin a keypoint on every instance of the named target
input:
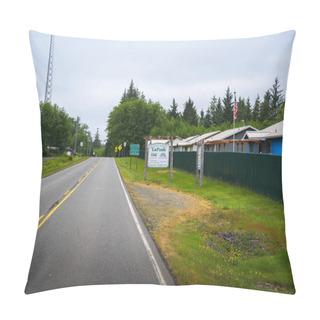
(59, 130)
(135, 117)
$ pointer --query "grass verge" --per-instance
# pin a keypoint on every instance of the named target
(239, 241)
(60, 163)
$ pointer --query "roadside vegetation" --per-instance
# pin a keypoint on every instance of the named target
(231, 237)
(59, 163)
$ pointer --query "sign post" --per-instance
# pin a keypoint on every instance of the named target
(119, 148)
(171, 158)
(146, 158)
(202, 162)
(197, 163)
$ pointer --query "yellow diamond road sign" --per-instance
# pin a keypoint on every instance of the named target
(120, 147)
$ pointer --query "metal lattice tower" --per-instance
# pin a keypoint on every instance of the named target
(48, 93)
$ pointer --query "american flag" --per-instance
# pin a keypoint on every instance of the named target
(235, 109)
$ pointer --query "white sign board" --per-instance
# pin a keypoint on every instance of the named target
(199, 157)
(158, 155)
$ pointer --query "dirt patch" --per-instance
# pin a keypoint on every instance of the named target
(165, 171)
(248, 242)
(162, 207)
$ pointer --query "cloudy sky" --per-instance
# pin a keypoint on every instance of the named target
(89, 76)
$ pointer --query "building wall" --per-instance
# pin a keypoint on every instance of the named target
(276, 146)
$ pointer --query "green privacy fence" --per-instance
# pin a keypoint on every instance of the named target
(185, 160)
(260, 173)
(141, 154)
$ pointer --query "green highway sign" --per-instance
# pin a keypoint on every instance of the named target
(134, 149)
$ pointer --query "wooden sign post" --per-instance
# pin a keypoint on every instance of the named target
(202, 162)
(146, 159)
(171, 158)
(197, 163)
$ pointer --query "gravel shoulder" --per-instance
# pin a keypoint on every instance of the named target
(163, 208)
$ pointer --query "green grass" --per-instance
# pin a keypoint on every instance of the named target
(199, 254)
(60, 163)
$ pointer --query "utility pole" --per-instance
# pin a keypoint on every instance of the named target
(48, 92)
(76, 137)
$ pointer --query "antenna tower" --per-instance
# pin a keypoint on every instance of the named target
(48, 93)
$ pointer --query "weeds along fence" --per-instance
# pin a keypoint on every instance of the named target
(260, 173)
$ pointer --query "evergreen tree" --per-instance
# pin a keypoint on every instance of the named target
(241, 109)
(280, 115)
(124, 96)
(228, 106)
(276, 100)
(96, 142)
(213, 110)
(218, 120)
(207, 122)
(132, 92)
(190, 113)
(173, 112)
(247, 115)
(201, 120)
(256, 110)
(142, 96)
(265, 107)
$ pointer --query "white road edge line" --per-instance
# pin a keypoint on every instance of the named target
(144, 240)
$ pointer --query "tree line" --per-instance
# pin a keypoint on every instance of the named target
(135, 117)
(59, 130)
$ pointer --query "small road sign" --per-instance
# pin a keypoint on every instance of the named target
(134, 149)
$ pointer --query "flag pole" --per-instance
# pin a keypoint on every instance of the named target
(234, 119)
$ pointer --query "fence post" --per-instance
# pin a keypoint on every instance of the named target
(197, 159)
(202, 162)
(171, 157)
(146, 159)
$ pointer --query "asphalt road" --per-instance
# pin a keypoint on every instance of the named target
(90, 233)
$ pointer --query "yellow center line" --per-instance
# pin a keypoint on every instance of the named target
(41, 217)
(67, 195)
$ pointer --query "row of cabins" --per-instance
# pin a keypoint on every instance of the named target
(246, 139)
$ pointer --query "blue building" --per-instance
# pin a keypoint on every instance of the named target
(268, 140)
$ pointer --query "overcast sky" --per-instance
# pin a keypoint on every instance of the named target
(89, 76)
